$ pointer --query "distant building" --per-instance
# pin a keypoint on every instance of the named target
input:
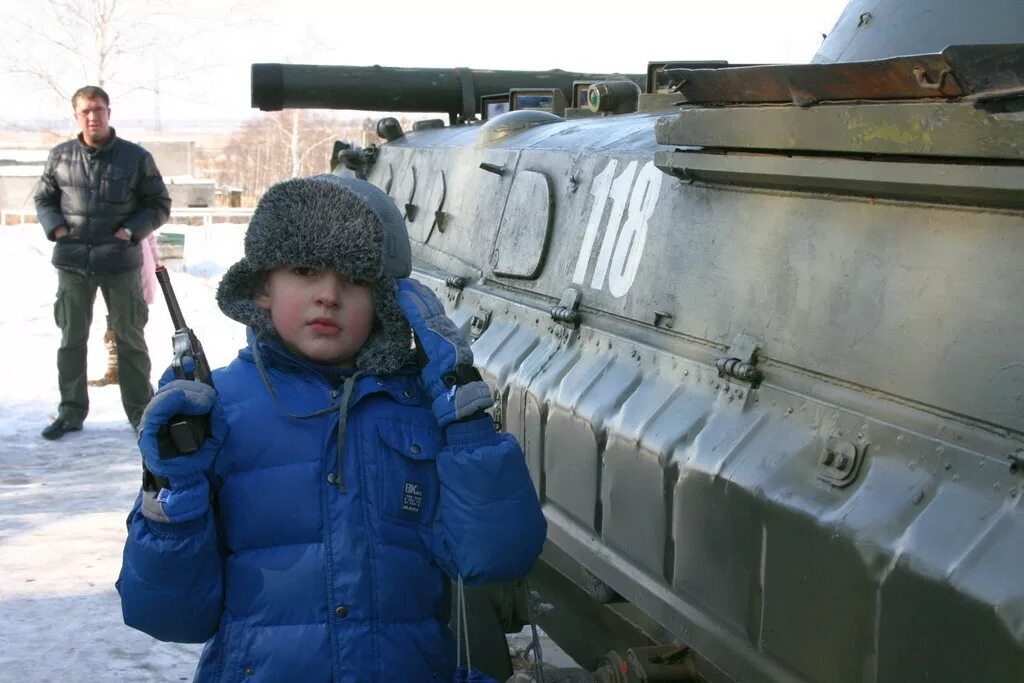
(20, 168)
(173, 157)
(176, 160)
(19, 171)
(187, 191)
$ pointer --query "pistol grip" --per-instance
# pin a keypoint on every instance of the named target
(183, 435)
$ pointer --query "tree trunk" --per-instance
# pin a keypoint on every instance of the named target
(296, 153)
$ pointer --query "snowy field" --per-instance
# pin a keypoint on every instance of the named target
(63, 504)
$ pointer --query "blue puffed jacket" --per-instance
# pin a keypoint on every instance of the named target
(297, 574)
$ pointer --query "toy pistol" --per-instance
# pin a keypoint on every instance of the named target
(183, 434)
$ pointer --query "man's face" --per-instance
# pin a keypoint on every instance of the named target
(322, 316)
(94, 118)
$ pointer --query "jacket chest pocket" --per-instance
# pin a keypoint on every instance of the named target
(114, 187)
(408, 486)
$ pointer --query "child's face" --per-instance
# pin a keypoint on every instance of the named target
(319, 314)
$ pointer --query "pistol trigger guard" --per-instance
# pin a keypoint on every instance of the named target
(178, 365)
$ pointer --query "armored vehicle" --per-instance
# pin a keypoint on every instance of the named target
(759, 330)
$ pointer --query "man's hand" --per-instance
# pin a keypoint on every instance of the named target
(123, 234)
(60, 231)
(454, 385)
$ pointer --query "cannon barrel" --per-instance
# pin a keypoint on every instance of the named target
(380, 88)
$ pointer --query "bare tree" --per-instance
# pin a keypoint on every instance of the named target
(278, 146)
(284, 145)
(301, 136)
(56, 46)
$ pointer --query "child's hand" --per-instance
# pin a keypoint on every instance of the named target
(454, 385)
(180, 490)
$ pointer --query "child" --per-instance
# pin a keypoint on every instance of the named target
(312, 535)
(150, 259)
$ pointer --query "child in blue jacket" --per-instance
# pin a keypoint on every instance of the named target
(312, 536)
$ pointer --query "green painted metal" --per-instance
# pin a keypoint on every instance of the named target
(911, 128)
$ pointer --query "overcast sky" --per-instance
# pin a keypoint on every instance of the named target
(200, 52)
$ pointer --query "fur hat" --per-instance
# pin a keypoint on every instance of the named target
(342, 224)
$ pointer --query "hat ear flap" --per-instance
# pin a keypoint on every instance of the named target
(389, 347)
(235, 296)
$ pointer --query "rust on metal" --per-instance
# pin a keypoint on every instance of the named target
(925, 76)
(978, 71)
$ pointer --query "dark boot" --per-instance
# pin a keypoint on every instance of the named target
(59, 428)
(110, 341)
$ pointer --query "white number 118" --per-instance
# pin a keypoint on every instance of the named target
(623, 245)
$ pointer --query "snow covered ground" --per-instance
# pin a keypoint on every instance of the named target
(63, 504)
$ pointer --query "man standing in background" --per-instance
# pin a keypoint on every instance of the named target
(98, 198)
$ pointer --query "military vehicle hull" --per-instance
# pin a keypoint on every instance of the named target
(764, 356)
(888, 334)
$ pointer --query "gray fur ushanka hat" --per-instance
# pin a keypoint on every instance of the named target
(343, 224)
